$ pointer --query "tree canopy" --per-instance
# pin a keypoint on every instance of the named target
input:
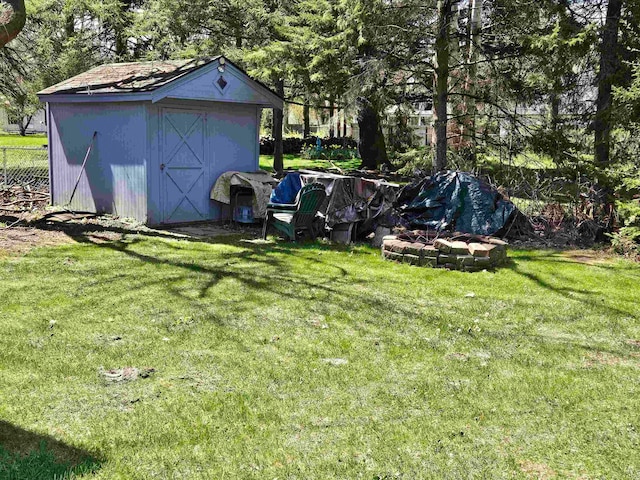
(479, 63)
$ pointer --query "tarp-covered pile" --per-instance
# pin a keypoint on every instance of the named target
(349, 199)
(454, 201)
(260, 182)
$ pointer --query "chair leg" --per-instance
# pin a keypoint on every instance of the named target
(291, 233)
(265, 227)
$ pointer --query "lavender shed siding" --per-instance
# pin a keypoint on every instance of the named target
(114, 180)
(158, 151)
(231, 143)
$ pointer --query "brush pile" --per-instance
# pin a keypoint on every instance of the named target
(22, 199)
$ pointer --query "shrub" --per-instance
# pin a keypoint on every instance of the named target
(296, 145)
(290, 145)
(626, 241)
(334, 152)
(413, 162)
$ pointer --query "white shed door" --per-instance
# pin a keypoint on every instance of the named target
(184, 166)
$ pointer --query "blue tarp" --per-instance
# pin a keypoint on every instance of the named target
(287, 189)
(455, 201)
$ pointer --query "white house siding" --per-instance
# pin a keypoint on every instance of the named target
(38, 123)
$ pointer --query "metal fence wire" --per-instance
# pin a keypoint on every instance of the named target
(24, 166)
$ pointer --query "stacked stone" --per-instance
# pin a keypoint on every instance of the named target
(478, 254)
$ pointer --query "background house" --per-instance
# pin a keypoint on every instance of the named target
(38, 123)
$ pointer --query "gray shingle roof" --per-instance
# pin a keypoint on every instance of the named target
(127, 77)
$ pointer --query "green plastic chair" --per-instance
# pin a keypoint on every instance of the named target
(294, 223)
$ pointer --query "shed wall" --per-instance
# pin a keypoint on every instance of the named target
(204, 85)
(114, 180)
(231, 143)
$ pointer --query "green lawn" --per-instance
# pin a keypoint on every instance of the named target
(315, 361)
(11, 140)
(295, 162)
(26, 159)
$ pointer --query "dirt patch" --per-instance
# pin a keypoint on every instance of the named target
(634, 343)
(20, 240)
(609, 360)
(126, 374)
(458, 356)
(588, 257)
(43, 229)
(539, 471)
(209, 230)
(105, 237)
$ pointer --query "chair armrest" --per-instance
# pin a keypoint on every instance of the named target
(282, 207)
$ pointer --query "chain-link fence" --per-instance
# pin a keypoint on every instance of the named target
(24, 166)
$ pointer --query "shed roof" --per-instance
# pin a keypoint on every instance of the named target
(127, 77)
(140, 80)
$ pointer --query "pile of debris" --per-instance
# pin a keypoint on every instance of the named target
(458, 251)
(22, 198)
(455, 201)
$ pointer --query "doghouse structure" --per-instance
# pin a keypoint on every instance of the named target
(166, 130)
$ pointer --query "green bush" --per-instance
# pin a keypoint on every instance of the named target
(332, 152)
(626, 241)
(420, 160)
(413, 161)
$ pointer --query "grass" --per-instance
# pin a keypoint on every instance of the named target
(315, 361)
(295, 162)
(11, 140)
(24, 164)
(40, 464)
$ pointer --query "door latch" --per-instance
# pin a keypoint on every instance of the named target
(162, 166)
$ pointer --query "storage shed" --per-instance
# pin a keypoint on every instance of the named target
(166, 130)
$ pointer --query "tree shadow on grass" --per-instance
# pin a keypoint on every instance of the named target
(259, 266)
(26, 455)
(567, 258)
(590, 298)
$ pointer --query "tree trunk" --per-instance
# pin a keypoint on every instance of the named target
(371, 146)
(120, 29)
(609, 62)
(554, 117)
(307, 121)
(344, 123)
(69, 25)
(470, 104)
(441, 84)
(285, 118)
(278, 164)
(23, 125)
(13, 16)
(332, 119)
(554, 120)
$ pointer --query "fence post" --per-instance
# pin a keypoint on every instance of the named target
(4, 166)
